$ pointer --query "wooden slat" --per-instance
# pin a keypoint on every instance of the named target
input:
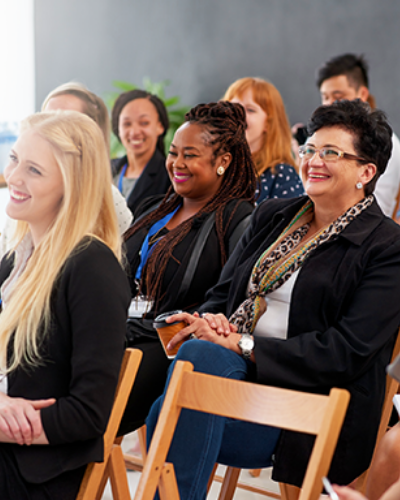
(261, 404)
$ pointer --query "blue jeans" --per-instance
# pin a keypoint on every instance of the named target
(202, 439)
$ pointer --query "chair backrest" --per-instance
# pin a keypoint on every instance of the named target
(287, 409)
(97, 473)
(392, 386)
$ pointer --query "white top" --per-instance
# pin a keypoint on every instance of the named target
(124, 215)
(388, 184)
(274, 322)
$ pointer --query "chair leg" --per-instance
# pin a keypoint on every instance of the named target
(142, 441)
(255, 472)
(118, 477)
(229, 484)
(103, 483)
(210, 481)
(168, 487)
(289, 492)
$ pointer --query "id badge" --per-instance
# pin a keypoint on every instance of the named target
(140, 305)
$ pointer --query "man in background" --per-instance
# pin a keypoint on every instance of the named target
(346, 77)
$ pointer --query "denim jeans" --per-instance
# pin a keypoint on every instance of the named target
(202, 439)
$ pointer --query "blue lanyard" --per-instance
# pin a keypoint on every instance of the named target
(121, 176)
(145, 250)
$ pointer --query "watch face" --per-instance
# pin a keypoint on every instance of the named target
(247, 343)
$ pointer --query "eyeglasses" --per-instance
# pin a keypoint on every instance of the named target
(327, 154)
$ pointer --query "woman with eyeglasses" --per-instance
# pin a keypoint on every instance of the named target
(308, 301)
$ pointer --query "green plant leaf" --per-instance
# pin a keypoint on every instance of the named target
(125, 86)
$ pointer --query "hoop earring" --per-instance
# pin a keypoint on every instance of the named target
(220, 170)
(359, 185)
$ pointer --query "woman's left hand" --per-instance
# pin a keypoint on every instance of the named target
(20, 420)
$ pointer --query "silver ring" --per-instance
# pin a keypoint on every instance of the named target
(192, 336)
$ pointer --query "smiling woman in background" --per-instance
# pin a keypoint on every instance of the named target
(269, 137)
(64, 297)
(140, 121)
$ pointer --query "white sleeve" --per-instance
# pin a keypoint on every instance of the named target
(124, 215)
(388, 184)
(7, 234)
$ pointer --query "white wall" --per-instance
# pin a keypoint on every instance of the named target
(17, 82)
(17, 69)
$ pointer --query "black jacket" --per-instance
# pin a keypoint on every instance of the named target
(81, 358)
(343, 319)
(154, 179)
(209, 265)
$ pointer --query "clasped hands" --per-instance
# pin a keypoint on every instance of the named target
(212, 327)
(20, 420)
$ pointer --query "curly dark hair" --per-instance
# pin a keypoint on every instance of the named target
(224, 126)
(370, 129)
(131, 95)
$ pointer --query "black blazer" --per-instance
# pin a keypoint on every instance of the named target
(153, 180)
(81, 358)
(209, 265)
(343, 319)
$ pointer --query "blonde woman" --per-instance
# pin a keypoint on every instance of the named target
(74, 96)
(269, 137)
(65, 297)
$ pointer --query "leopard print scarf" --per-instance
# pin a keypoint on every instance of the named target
(287, 254)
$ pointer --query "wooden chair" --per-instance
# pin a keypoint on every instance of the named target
(392, 387)
(230, 481)
(135, 462)
(311, 413)
(113, 466)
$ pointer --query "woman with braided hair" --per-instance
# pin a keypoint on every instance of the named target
(269, 137)
(179, 244)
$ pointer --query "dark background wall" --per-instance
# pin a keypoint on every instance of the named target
(202, 46)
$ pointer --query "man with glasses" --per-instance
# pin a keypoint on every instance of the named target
(346, 77)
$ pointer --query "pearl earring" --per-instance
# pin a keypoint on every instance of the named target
(359, 185)
(220, 170)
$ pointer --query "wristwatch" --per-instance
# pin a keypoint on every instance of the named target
(246, 344)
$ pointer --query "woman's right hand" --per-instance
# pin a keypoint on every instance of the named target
(346, 493)
(219, 323)
(20, 420)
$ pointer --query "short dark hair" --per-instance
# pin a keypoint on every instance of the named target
(353, 66)
(370, 129)
(131, 95)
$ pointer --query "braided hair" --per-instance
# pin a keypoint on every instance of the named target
(225, 126)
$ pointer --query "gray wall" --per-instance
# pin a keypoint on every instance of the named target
(204, 45)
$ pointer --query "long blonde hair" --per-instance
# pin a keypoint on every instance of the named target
(276, 147)
(86, 209)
